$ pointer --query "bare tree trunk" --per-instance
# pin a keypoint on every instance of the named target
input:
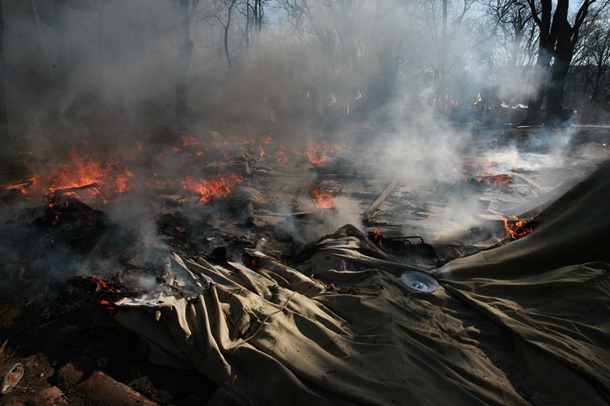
(226, 36)
(597, 82)
(249, 24)
(185, 49)
(51, 96)
(61, 35)
(258, 15)
(541, 72)
(555, 96)
(254, 18)
(100, 48)
(566, 38)
(543, 63)
(4, 134)
(557, 40)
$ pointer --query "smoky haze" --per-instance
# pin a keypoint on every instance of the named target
(104, 73)
(98, 79)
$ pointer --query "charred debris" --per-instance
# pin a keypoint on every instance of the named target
(89, 243)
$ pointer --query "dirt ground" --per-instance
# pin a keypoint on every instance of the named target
(78, 330)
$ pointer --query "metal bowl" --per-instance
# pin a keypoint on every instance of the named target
(419, 282)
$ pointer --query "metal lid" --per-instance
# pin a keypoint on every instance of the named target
(419, 282)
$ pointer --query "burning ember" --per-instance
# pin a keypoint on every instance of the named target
(281, 155)
(189, 141)
(255, 147)
(324, 197)
(318, 152)
(516, 228)
(321, 197)
(101, 284)
(80, 176)
(483, 173)
(375, 235)
(215, 185)
(25, 187)
(104, 286)
(495, 180)
(108, 178)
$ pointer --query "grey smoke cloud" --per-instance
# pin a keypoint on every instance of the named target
(377, 68)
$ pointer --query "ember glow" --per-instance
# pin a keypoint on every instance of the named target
(280, 155)
(214, 185)
(481, 166)
(375, 235)
(81, 176)
(81, 171)
(24, 186)
(516, 228)
(108, 305)
(189, 141)
(323, 198)
(101, 284)
(484, 173)
(496, 180)
(255, 147)
(318, 152)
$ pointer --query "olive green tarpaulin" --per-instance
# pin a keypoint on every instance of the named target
(343, 331)
(552, 290)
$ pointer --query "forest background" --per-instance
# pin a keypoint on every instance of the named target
(150, 69)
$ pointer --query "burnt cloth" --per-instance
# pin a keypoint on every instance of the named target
(338, 332)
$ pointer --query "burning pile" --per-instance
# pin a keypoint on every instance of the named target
(100, 182)
(483, 173)
(205, 173)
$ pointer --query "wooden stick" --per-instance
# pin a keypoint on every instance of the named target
(77, 188)
(375, 205)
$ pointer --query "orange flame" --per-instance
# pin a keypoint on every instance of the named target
(215, 185)
(318, 152)
(375, 235)
(335, 148)
(281, 155)
(218, 144)
(518, 227)
(108, 305)
(495, 180)
(480, 166)
(82, 171)
(189, 140)
(248, 141)
(257, 146)
(25, 187)
(322, 198)
(101, 284)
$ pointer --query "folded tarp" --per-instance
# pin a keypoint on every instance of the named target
(343, 329)
(552, 289)
(276, 336)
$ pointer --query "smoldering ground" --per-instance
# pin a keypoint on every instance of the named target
(98, 80)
